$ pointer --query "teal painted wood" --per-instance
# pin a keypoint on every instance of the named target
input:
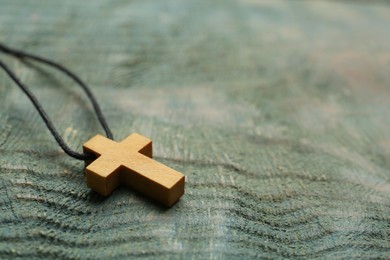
(276, 111)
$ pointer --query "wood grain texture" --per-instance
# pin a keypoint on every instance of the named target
(277, 111)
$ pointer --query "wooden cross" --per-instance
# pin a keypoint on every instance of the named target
(130, 162)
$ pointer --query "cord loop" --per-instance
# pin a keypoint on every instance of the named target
(41, 111)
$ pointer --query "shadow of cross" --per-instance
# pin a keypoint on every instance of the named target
(130, 162)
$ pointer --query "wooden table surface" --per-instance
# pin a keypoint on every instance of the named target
(277, 112)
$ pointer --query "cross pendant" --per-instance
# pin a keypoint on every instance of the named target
(130, 162)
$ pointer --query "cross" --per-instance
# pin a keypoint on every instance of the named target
(130, 162)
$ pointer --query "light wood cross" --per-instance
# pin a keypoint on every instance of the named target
(130, 162)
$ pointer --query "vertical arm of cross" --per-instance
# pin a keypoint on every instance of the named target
(98, 144)
(154, 179)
